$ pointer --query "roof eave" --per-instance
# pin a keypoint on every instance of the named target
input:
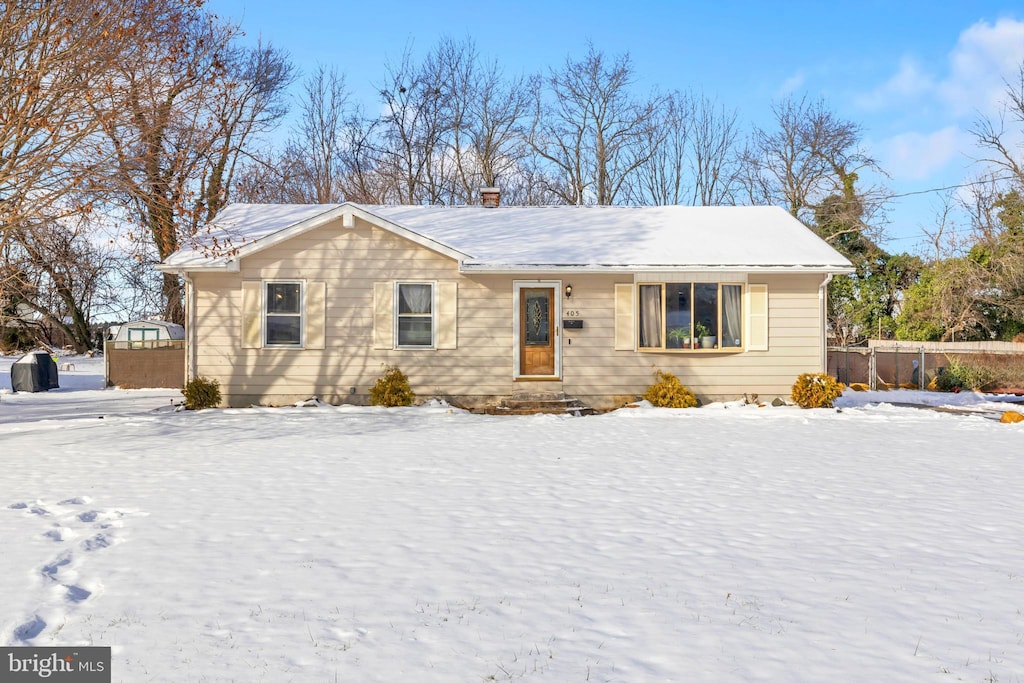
(300, 227)
(527, 268)
(227, 266)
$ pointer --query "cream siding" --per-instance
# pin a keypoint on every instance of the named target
(252, 314)
(625, 323)
(315, 317)
(383, 315)
(757, 317)
(475, 347)
(447, 315)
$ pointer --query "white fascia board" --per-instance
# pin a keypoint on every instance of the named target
(500, 269)
(226, 266)
(230, 264)
(339, 212)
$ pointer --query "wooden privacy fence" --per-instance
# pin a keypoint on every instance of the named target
(887, 364)
(145, 364)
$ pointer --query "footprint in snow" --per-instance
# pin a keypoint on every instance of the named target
(103, 530)
(30, 629)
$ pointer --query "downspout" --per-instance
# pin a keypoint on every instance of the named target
(823, 306)
(190, 330)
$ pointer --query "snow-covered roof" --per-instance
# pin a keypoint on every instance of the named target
(170, 330)
(545, 238)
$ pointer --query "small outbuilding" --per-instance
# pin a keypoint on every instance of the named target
(146, 330)
(35, 371)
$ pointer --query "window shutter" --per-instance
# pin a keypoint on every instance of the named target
(757, 317)
(447, 315)
(383, 315)
(624, 337)
(252, 314)
(316, 315)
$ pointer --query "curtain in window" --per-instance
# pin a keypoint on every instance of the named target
(414, 299)
(650, 316)
(732, 315)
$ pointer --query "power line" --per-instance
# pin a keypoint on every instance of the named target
(949, 187)
(922, 236)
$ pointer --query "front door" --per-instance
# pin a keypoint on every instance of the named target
(537, 331)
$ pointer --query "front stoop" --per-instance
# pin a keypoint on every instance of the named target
(538, 404)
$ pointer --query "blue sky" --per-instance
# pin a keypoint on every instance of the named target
(915, 75)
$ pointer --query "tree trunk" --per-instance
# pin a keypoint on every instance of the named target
(173, 295)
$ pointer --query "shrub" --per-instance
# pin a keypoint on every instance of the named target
(201, 392)
(946, 381)
(392, 389)
(972, 374)
(815, 390)
(668, 392)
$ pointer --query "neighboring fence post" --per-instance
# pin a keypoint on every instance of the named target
(922, 373)
(872, 370)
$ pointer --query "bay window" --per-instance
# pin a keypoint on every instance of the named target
(690, 315)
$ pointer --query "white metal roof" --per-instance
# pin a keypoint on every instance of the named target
(547, 238)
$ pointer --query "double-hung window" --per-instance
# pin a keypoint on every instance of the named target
(690, 315)
(283, 317)
(415, 314)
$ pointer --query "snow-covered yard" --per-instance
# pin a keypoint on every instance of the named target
(726, 543)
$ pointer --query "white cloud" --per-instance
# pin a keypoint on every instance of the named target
(907, 84)
(791, 85)
(916, 156)
(984, 58)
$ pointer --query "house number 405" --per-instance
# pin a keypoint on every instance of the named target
(574, 313)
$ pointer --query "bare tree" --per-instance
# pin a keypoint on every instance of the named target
(59, 272)
(992, 136)
(808, 156)
(412, 129)
(591, 130)
(663, 179)
(52, 55)
(487, 139)
(246, 104)
(714, 159)
(941, 236)
(694, 159)
(313, 165)
(179, 111)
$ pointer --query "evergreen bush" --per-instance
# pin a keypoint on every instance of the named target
(815, 390)
(668, 392)
(392, 389)
(967, 375)
(201, 393)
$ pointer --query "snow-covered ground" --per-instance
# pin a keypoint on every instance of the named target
(727, 543)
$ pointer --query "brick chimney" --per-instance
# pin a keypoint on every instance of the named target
(490, 197)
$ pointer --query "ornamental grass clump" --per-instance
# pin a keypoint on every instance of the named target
(392, 389)
(815, 390)
(201, 393)
(668, 392)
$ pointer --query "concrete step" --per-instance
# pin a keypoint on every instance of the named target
(538, 404)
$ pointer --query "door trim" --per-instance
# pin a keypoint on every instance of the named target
(556, 286)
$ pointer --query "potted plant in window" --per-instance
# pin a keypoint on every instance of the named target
(678, 337)
(703, 333)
